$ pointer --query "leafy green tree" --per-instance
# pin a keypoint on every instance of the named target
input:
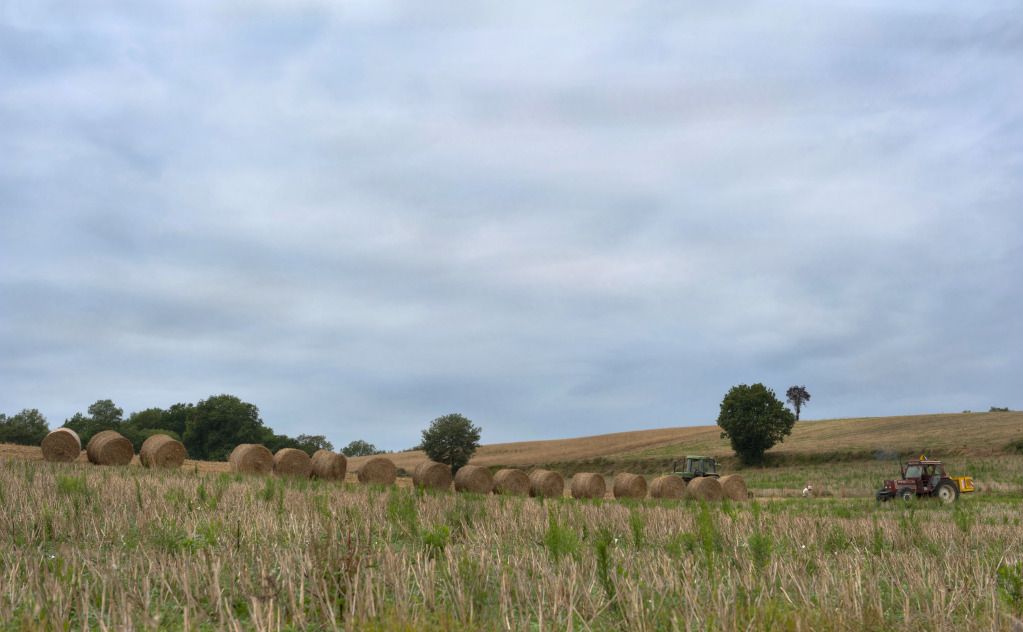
(28, 427)
(451, 439)
(754, 420)
(105, 413)
(797, 396)
(359, 448)
(219, 423)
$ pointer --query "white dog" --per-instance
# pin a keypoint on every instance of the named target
(808, 491)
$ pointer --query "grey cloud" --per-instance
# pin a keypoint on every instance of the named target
(558, 221)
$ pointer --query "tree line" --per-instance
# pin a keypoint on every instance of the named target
(209, 429)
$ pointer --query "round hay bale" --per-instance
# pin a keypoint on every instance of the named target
(433, 475)
(329, 465)
(109, 447)
(378, 470)
(546, 484)
(474, 479)
(512, 482)
(292, 462)
(588, 485)
(670, 486)
(733, 487)
(704, 488)
(251, 458)
(61, 446)
(162, 450)
(627, 485)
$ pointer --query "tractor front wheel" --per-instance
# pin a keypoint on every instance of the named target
(906, 494)
(947, 493)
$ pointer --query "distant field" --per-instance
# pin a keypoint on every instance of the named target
(943, 435)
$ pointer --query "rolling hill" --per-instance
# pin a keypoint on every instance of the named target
(975, 434)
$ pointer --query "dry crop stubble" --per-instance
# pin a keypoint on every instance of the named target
(121, 559)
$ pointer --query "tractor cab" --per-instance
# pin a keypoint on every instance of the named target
(695, 467)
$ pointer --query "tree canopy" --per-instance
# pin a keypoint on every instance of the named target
(359, 448)
(26, 428)
(451, 439)
(754, 420)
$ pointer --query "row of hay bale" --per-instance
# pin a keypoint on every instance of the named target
(547, 484)
(109, 447)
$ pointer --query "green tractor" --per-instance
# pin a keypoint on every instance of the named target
(695, 467)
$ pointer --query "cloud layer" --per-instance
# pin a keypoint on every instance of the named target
(557, 220)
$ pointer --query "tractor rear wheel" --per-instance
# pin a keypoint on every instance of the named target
(906, 494)
(947, 493)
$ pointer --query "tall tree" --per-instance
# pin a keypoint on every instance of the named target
(221, 422)
(797, 396)
(451, 439)
(753, 419)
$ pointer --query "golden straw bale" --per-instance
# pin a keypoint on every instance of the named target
(292, 462)
(474, 479)
(433, 475)
(733, 487)
(251, 458)
(109, 447)
(163, 451)
(329, 465)
(704, 488)
(378, 470)
(626, 485)
(511, 481)
(588, 485)
(546, 484)
(61, 446)
(669, 486)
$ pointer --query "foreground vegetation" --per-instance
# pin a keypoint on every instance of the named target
(84, 546)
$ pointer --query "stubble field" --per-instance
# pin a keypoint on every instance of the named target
(86, 547)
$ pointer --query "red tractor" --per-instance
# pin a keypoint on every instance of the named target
(925, 477)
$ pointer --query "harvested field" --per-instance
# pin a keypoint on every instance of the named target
(244, 553)
(954, 434)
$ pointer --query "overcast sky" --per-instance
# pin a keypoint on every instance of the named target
(558, 219)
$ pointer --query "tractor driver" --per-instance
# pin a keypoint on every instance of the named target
(931, 476)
